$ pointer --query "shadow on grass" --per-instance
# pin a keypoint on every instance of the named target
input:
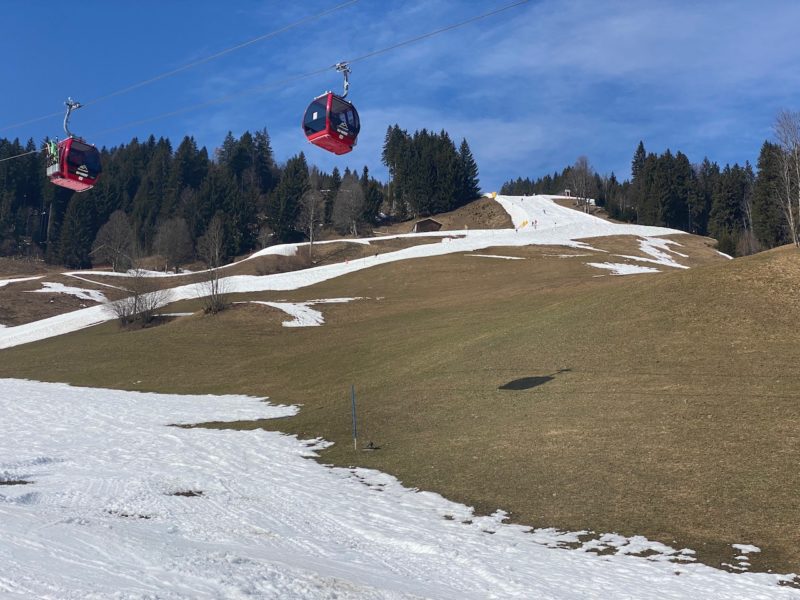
(528, 383)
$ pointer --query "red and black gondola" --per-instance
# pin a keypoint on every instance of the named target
(332, 123)
(75, 165)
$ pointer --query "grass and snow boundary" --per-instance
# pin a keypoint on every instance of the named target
(149, 510)
(554, 226)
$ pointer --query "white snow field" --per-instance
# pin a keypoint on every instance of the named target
(554, 225)
(122, 505)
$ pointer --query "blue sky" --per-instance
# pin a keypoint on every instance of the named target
(531, 89)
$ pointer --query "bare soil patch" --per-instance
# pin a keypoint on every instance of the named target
(188, 493)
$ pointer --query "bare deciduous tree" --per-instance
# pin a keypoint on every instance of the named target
(265, 235)
(173, 242)
(144, 300)
(114, 242)
(348, 205)
(211, 247)
(581, 180)
(787, 132)
(312, 206)
(214, 293)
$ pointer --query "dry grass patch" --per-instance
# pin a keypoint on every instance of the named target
(11, 268)
(21, 303)
(18, 307)
(483, 213)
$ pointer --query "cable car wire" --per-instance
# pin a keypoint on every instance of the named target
(192, 64)
(436, 32)
(219, 100)
(19, 155)
(265, 87)
(221, 53)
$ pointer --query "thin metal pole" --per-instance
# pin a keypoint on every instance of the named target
(355, 423)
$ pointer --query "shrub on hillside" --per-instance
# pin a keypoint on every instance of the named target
(144, 300)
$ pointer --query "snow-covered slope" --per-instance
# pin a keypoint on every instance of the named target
(122, 506)
(537, 219)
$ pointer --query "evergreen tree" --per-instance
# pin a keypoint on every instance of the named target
(468, 184)
(77, 233)
(373, 197)
(637, 163)
(638, 183)
(284, 202)
(700, 197)
(266, 171)
(676, 210)
(329, 194)
(647, 190)
(224, 153)
(727, 218)
(152, 191)
(769, 225)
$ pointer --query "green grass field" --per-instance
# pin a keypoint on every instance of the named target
(663, 405)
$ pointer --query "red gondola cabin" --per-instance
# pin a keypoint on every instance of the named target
(77, 165)
(332, 123)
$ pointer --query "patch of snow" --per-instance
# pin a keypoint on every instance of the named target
(279, 250)
(728, 256)
(129, 273)
(176, 314)
(49, 287)
(53, 326)
(623, 268)
(746, 548)
(301, 312)
(109, 513)
(498, 256)
(568, 255)
(5, 282)
(658, 248)
(635, 545)
(100, 283)
(149, 273)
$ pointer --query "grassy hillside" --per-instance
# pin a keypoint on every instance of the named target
(664, 405)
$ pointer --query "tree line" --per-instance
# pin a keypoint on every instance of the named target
(151, 199)
(746, 210)
(429, 175)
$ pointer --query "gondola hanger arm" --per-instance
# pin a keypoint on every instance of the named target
(71, 105)
(344, 69)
